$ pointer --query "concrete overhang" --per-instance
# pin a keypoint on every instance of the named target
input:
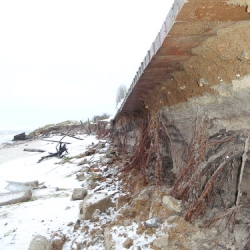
(188, 24)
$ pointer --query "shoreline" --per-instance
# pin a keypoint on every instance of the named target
(7, 136)
(51, 208)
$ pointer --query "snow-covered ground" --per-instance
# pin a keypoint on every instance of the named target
(51, 208)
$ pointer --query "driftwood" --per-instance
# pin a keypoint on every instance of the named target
(73, 136)
(68, 132)
(57, 141)
(62, 148)
(87, 129)
(34, 150)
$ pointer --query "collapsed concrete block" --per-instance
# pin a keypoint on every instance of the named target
(80, 176)
(154, 222)
(15, 197)
(128, 243)
(92, 202)
(161, 242)
(39, 242)
(109, 243)
(79, 194)
(32, 184)
(21, 137)
(122, 200)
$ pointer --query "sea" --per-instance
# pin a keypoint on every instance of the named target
(7, 136)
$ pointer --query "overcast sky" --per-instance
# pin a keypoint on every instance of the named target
(64, 60)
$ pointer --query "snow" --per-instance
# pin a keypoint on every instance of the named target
(7, 197)
(119, 235)
(119, 104)
(51, 209)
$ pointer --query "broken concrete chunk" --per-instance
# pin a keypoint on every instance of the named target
(91, 151)
(101, 145)
(154, 222)
(128, 243)
(15, 197)
(161, 242)
(203, 81)
(92, 202)
(80, 176)
(84, 161)
(110, 161)
(96, 215)
(20, 137)
(32, 184)
(122, 200)
(14, 186)
(39, 242)
(79, 194)
(109, 244)
(171, 203)
(244, 54)
(136, 248)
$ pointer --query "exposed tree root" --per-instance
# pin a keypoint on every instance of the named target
(148, 151)
(208, 163)
(201, 179)
(200, 205)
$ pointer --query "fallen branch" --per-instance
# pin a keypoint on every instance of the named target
(57, 141)
(73, 136)
(34, 150)
(87, 129)
(67, 132)
(60, 151)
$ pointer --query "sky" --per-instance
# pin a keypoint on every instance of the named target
(64, 60)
